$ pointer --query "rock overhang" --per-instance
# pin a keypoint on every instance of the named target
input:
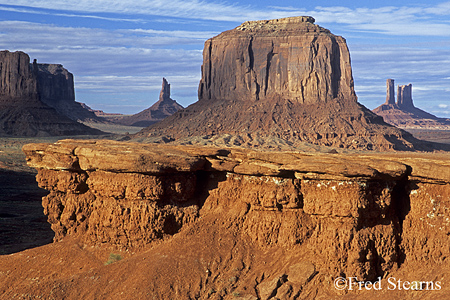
(129, 157)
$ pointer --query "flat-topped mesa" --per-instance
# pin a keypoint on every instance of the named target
(289, 58)
(27, 92)
(56, 89)
(279, 80)
(55, 83)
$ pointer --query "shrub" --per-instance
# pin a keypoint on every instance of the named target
(113, 258)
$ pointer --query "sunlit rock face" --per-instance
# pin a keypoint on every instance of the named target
(290, 58)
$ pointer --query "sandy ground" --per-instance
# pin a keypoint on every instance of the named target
(113, 128)
(438, 136)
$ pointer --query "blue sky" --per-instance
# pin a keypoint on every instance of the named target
(119, 50)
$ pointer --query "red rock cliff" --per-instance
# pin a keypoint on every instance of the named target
(289, 58)
(277, 214)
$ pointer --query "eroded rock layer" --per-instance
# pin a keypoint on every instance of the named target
(330, 214)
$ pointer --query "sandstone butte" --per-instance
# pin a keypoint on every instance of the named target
(56, 89)
(287, 79)
(34, 97)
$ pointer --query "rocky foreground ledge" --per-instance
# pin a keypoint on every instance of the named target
(318, 215)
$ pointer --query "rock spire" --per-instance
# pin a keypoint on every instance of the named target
(404, 114)
(390, 92)
(404, 96)
(161, 109)
(165, 91)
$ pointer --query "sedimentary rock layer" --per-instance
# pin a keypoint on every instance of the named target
(404, 96)
(390, 92)
(359, 215)
(17, 81)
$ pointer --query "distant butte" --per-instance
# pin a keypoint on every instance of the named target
(57, 90)
(288, 80)
(26, 98)
(403, 113)
(163, 108)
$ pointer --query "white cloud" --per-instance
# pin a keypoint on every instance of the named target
(35, 11)
(406, 28)
(440, 9)
(443, 105)
(28, 34)
(108, 62)
(401, 62)
(95, 51)
(392, 20)
(176, 8)
(137, 83)
(183, 34)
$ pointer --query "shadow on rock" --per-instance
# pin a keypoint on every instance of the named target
(23, 224)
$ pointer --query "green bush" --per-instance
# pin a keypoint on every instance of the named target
(113, 258)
